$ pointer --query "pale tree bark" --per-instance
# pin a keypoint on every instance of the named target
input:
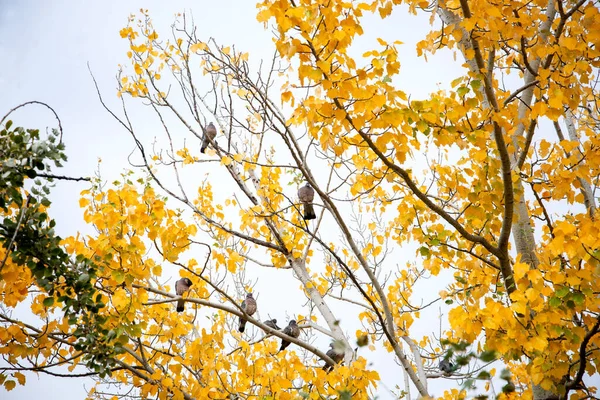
(586, 187)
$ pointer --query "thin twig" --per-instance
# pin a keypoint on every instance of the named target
(40, 103)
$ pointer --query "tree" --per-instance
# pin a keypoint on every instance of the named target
(316, 114)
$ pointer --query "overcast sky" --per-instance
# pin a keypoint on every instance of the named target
(44, 50)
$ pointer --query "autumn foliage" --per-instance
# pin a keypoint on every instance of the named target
(489, 181)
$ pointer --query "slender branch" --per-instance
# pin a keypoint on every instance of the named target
(60, 129)
(240, 314)
(528, 140)
(519, 90)
(582, 358)
(64, 178)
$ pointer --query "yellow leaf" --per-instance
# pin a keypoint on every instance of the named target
(10, 385)
(286, 96)
(120, 300)
(385, 10)
(494, 11)
(124, 32)
(20, 377)
(555, 100)
(198, 47)
(264, 15)
(520, 269)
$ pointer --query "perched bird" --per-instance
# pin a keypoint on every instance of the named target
(249, 307)
(336, 354)
(210, 132)
(447, 367)
(182, 286)
(272, 323)
(291, 330)
(306, 194)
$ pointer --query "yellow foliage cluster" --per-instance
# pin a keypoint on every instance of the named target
(356, 111)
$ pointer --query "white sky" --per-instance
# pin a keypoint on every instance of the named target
(44, 49)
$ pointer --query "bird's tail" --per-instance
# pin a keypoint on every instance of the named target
(180, 305)
(204, 146)
(284, 345)
(242, 325)
(309, 211)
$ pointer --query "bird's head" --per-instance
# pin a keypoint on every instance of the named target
(293, 322)
(249, 296)
(187, 281)
(274, 321)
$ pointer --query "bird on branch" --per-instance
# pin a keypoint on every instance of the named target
(210, 132)
(182, 286)
(447, 367)
(306, 194)
(272, 323)
(291, 330)
(249, 307)
(336, 354)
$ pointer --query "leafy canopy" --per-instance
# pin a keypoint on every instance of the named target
(479, 177)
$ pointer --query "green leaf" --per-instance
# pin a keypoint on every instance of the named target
(462, 91)
(562, 292)
(475, 84)
(345, 395)
(83, 278)
(422, 126)
(484, 375)
(508, 388)
(118, 276)
(555, 301)
(48, 301)
(505, 374)
(578, 298)
(469, 384)
(487, 356)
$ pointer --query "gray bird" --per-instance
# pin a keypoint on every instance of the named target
(306, 194)
(272, 323)
(210, 132)
(447, 367)
(291, 330)
(182, 286)
(336, 354)
(249, 307)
